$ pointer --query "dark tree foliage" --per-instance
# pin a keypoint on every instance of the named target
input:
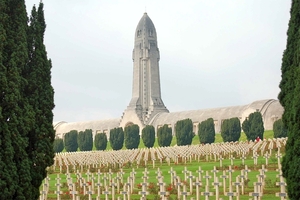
(253, 126)
(116, 138)
(132, 136)
(85, 140)
(148, 136)
(164, 136)
(100, 141)
(70, 141)
(58, 145)
(16, 114)
(289, 98)
(206, 131)
(279, 129)
(184, 132)
(26, 131)
(40, 95)
(231, 130)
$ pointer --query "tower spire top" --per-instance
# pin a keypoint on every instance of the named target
(146, 102)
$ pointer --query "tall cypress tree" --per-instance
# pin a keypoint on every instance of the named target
(15, 111)
(206, 131)
(116, 138)
(41, 96)
(164, 136)
(132, 136)
(184, 132)
(26, 102)
(148, 136)
(289, 98)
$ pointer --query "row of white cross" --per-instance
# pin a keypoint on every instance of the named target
(216, 151)
(198, 183)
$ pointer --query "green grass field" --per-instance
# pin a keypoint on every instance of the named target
(269, 190)
(192, 165)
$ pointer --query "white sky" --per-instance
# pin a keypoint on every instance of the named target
(212, 53)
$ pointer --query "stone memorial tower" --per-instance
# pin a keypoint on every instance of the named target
(146, 102)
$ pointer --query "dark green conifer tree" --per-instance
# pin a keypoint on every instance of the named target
(26, 140)
(15, 111)
(289, 98)
(58, 145)
(184, 132)
(100, 141)
(253, 126)
(231, 130)
(148, 136)
(132, 136)
(164, 136)
(40, 95)
(85, 140)
(206, 131)
(116, 138)
(70, 141)
(279, 129)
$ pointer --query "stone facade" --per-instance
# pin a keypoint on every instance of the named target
(146, 106)
(146, 100)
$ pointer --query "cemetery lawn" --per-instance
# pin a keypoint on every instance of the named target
(270, 187)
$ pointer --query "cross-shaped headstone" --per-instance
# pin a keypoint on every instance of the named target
(162, 192)
(267, 156)
(221, 161)
(113, 185)
(230, 171)
(106, 192)
(125, 192)
(84, 185)
(185, 172)
(200, 172)
(73, 192)
(282, 194)
(178, 184)
(44, 192)
(224, 177)
(206, 193)
(90, 192)
(258, 187)
(184, 192)
(110, 173)
(242, 177)
(237, 184)
(198, 184)
(105, 180)
(144, 191)
(278, 156)
(246, 170)
(215, 171)
(256, 194)
(98, 184)
(255, 158)
(121, 172)
(230, 194)
(118, 178)
(172, 173)
(207, 177)
(243, 158)
(216, 185)
(191, 177)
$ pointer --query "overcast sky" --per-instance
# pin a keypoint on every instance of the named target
(212, 53)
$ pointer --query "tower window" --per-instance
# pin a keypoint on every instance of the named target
(150, 32)
(138, 34)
